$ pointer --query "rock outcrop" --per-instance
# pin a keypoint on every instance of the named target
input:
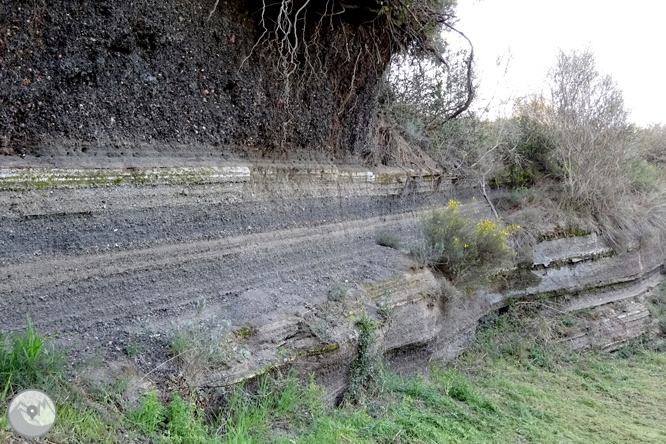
(246, 256)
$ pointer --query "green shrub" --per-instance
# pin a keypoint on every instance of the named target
(643, 175)
(337, 292)
(134, 347)
(364, 369)
(388, 240)
(453, 243)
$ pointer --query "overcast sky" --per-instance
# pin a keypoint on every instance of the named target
(628, 39)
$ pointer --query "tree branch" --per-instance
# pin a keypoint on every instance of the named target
(470, 85)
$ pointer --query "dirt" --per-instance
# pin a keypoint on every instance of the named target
(104, 77)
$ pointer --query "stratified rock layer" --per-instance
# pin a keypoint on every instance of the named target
(249, 253)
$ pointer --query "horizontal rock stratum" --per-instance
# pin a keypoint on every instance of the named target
(250, 251)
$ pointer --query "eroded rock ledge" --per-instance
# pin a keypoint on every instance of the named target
(250, 251)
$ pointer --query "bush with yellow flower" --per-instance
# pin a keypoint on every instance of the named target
(456, 244)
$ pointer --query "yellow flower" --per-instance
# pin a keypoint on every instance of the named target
(486, 226)
(454, 204)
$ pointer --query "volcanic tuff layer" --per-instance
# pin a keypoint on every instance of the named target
(251, 251)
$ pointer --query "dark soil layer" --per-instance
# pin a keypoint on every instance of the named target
(94, 75)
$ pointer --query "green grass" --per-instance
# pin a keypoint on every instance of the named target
(595, 398)
(510, 386)
(27, 361)
(151, 415)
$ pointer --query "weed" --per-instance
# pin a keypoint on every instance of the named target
(518, 198)
(656, 304)
(284, 352)
(133, 347)
(662, 324)
(390, 240)
(184, 423)
(338, 291)
(81, 425)
(245, 332)
(201, 343)
(633, 347)
(28, 360)
(201, 347)
(384, 307)
(321, 330)
(568, 320)
(201, 306)
(366, 365)
(150, 417)
(181, 342)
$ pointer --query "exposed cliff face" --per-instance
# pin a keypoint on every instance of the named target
(248, 253)
(104, 77)
(133, 203)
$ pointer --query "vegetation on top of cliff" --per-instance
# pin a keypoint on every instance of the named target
(307, 37)
(569, 154)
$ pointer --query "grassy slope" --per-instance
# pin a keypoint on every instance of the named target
(507, 388)
(594, 398)
(484, 397)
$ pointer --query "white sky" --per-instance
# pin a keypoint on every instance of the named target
(628, 39)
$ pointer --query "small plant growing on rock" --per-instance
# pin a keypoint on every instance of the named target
(134, 347)
(386, 239)
(384, 307)
(455, 244)
(365, 368)
(200, 346)
(338, 291)
(245, 333)
(321, 330)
